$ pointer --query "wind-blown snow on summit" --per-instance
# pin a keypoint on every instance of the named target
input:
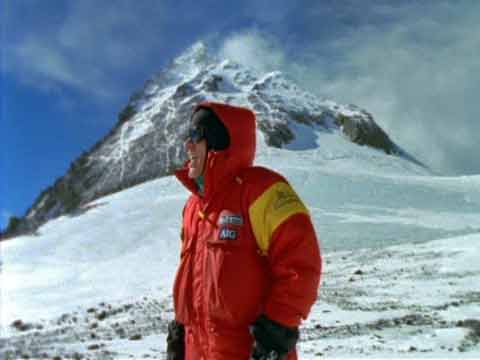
(146, 142)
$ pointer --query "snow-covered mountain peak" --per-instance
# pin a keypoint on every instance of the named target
(191, 61)
(146, 142)
(196, 54)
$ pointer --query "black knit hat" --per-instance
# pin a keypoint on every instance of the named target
(213, 128)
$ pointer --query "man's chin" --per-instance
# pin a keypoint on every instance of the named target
(192, 173)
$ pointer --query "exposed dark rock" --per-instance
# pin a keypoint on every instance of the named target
(276, 134)
(94, 347)
(213, 83)
(364, 131)
(101, 316)
(21, 326)
(472, 324)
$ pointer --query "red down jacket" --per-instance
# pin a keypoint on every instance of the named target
(248, 248)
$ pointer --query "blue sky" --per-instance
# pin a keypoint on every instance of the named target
(68, 67)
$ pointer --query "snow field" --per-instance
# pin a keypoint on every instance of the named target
(401, 275)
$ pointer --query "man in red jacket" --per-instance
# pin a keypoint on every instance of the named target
(250, 263)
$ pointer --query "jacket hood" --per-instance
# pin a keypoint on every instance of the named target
(241, 125)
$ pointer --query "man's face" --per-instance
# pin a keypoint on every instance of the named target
(197, 154)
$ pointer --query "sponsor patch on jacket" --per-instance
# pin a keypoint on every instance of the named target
(228, 234)
(231, 219)
(284, 198)
(229, 225)
(271, 209)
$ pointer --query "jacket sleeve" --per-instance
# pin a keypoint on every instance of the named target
(285, 234)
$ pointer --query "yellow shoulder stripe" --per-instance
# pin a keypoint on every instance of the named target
(271, 209)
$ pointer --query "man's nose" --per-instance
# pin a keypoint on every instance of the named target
(188, 144)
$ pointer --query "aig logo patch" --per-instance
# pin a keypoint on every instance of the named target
(228, 234)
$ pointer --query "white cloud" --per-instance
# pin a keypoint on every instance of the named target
(419, 76)
(419, 79)
(46, 62)
(102, 32)
(255, 50)
(89, 47)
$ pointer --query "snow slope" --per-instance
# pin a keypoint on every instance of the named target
(402, 276)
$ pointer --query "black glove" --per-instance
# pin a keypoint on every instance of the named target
(175, 341)
(273, 341)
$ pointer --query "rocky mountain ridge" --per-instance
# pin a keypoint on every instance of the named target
(146, 142)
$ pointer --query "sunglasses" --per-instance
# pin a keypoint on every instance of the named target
(195, 134)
